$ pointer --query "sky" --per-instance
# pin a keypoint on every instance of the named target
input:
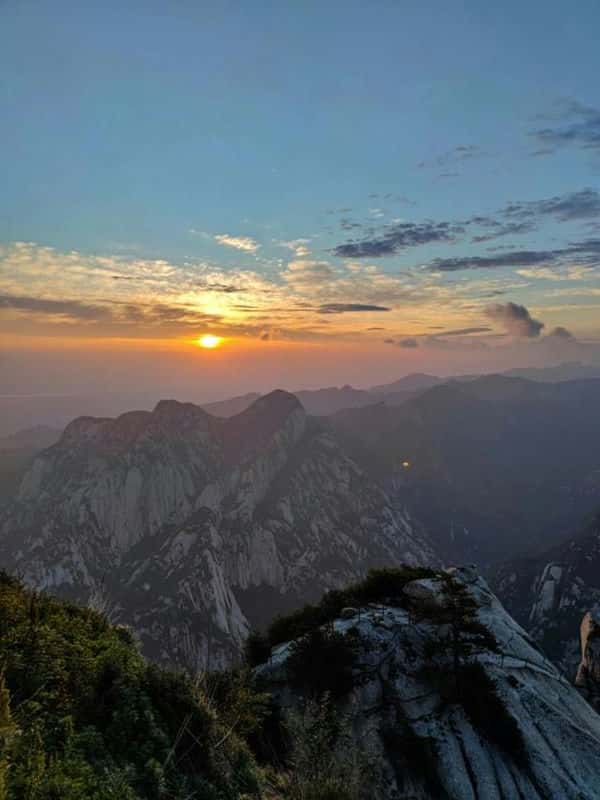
(343, 192)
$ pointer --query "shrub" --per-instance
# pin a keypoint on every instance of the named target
(96, 721)
(322, 661)
(380, 586)
(325, 761)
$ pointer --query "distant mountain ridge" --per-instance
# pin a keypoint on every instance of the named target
(188, 527)
(330, 400)
(491, 466)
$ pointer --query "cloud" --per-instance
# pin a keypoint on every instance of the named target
(298, 246)
(464, 331)
(408, 342)
(584, 204)
(344, 308)
(67, 309)
(562, 333)
(515, 319)
(245, 243)
(462, 152)
(515, 219)
(223, 288)
(577, 126)
(569, 273)
(587, 249)
(399, 236)
(518, 258)
(306, 273)
(498, 230)
(111, 312)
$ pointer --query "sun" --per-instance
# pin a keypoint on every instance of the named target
(209, 341)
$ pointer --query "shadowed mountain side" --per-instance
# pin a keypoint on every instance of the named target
(492, 466)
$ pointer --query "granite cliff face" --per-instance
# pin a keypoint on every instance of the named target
(192, 528)
(549, 594)
(428, 743)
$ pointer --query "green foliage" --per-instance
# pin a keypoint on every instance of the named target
(380, 586)
(452, 669)
(322, 661)
(325, 763)
(236, 702)
(459, 635)
(95, 721)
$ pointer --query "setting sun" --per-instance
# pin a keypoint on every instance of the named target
(209, 341)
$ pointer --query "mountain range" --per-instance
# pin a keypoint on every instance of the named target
(192, 529)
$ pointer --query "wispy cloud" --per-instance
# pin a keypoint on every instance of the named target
(517, 218)
(568, 273)
(584, 204)
(586, 250)
(345, 308)
(298, 246)
(460, 153)
(245, 243)
(573, 124)
(398, 237)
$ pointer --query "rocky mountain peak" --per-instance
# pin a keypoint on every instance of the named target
(175, 415)
(254, 427)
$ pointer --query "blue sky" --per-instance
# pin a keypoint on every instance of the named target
(304, 153)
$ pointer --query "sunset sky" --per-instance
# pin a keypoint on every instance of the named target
(342, 191)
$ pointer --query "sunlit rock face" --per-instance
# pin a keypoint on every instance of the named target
(193, 529)
(424, 746)
(587, 679)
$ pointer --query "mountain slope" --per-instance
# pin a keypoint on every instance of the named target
(491, 465)
(492, 720)
(84, 717)
(188, 526)
(550, 592)
(16, 453)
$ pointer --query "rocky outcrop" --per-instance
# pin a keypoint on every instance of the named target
(587, 679)
(550, 593)
(425, 741)
(192, 529)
